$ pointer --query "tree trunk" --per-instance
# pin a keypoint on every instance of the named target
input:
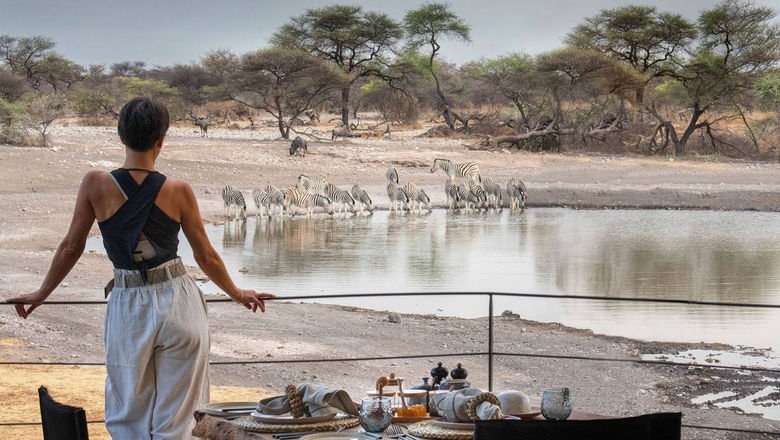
(345, 105)
(697, 112)
(283, 128)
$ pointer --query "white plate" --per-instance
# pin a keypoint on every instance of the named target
(225, 409)
(337, 436)
(288, 419)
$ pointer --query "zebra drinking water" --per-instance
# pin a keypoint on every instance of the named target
(235, 197)
(451, 190)
(469, 199)
(261, 202)
(225, 191)
(416, 196)
(275, 198)
(517, 193)
(465, 169)
(493, 190)
(307, 201)
(397, 195)
(339, 196)
(362, 199)
(478, 191)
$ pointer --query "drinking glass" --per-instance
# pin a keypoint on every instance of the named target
(556, 403)
(376, 413)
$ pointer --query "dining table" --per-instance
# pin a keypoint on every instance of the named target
(209, 427)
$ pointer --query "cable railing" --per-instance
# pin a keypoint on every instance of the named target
(491, 353)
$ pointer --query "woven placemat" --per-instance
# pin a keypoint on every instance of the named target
(249, 423)
(429, 430)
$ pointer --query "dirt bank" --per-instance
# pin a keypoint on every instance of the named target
(38, 187)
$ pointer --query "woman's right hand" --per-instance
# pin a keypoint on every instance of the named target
(252, 300)
(34, 299)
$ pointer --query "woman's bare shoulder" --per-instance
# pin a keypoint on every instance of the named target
(96, 179)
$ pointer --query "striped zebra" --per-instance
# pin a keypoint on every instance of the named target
(225, 199)
(397, 195)
(451, 190)
(392, 175)
(469, 199)
(314, 186)
(493, 190)
(465, 169)
(339, 196)
(517, 193)
(275, 198)
(305, 200)
(235, 197)
(261, 202)
(362, 199)
(478, 191)
(416, 196)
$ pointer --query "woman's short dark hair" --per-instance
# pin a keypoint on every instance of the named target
(143, 122)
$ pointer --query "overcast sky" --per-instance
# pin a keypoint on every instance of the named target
(164, 32)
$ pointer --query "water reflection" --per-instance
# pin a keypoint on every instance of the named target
(709, 256)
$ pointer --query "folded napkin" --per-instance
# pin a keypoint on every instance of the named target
(317, 400)
(453, 405)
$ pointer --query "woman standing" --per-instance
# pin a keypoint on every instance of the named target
(156, 332)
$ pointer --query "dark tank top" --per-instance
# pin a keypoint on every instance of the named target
(121, 232)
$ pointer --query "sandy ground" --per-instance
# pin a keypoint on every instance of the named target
(37, 192)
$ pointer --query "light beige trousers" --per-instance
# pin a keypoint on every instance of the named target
(157, 346)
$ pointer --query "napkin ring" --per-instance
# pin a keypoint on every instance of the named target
(296, 405)
(474, 402)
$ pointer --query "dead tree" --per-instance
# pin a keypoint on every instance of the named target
(609, 123)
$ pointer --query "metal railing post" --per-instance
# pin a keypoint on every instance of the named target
(490, 343)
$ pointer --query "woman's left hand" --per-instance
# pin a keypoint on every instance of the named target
(34, 299)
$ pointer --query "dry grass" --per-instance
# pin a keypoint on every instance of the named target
(72, 385)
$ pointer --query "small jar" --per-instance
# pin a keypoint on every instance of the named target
(556, 403)
(376, 413)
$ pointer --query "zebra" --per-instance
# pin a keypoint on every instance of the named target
(314, 186)
(517, 193)
(468, 198)
(396, 194)
(362, 199)
(478, 191)
(225, 191)
(453, 170)
(392, 175)
(235, 197)
(261, 202)
(451, 190)
(275, 198)
(298, 147)
(416, 195)
(492, 189)
(307, 201)
(339, 196)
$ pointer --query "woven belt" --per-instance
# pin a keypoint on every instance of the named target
(153, 276)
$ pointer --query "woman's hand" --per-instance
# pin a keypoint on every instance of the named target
(35, 299)
(252, 300)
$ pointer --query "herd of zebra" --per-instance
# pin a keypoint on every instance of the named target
(465, 189)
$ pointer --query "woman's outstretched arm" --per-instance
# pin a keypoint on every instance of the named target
(69, 250)
(207, 257)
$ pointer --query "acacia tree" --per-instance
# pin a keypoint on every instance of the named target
(357, 42)
(739, 43)
(640, 36)
(283, 82)
(425, 27)
(26, 56)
